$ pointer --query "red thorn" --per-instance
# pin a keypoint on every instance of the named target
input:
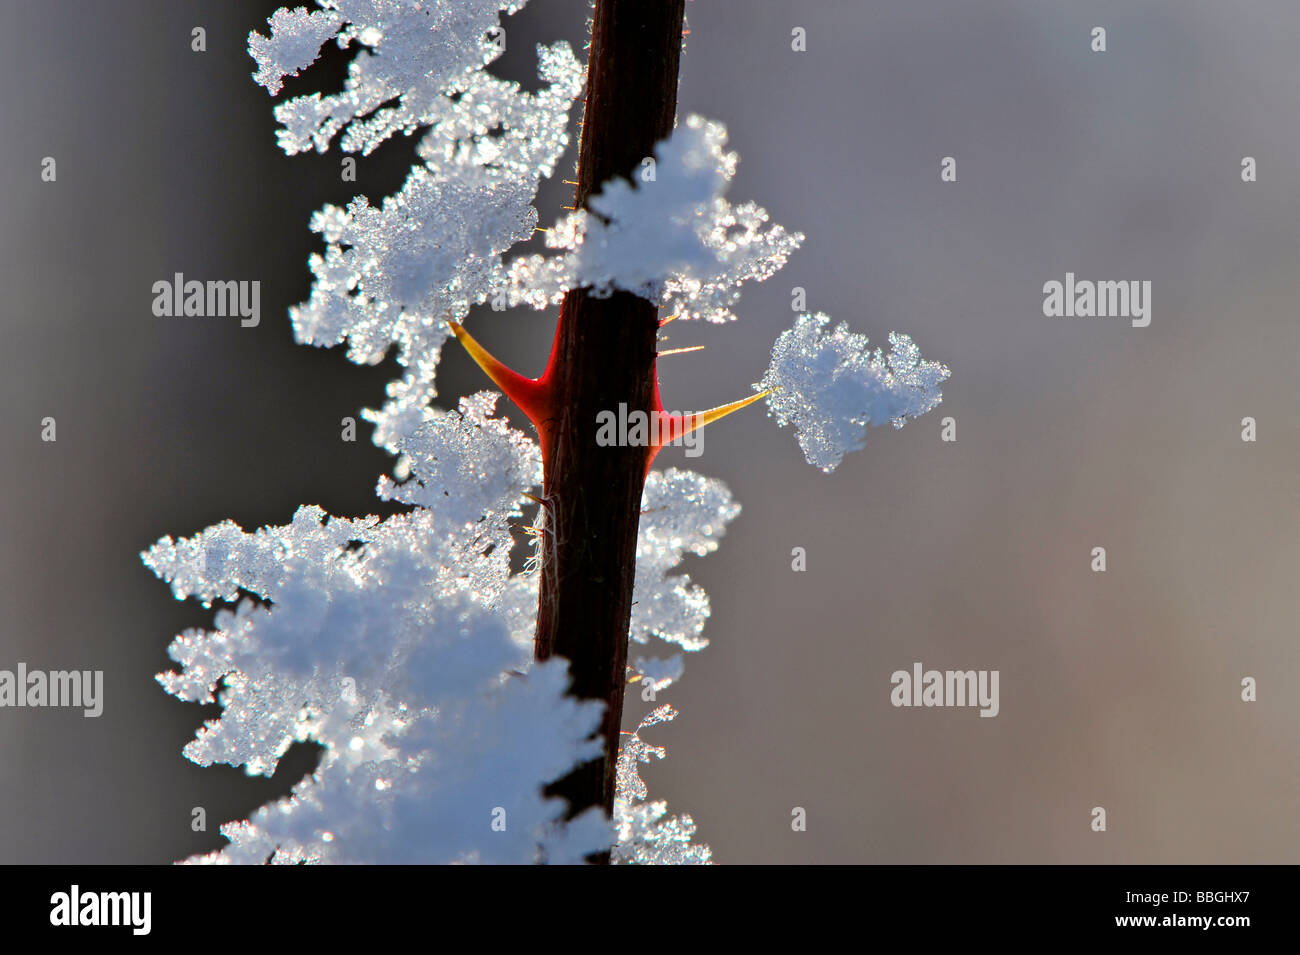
(535, 397)
(532, 395)
(675, 426)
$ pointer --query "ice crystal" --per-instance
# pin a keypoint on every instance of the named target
(414, 52)
(831, 386)
(294, 44)
(391, 643)
(439, 786)
(682, 512)
(467, 464)
(646, 834)
(672, 238)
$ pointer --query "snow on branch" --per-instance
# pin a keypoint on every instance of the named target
(392, 644)
(671, 238)
(393, 273)
(402, 645)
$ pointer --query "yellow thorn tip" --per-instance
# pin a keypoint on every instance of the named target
(701, 418)
(491, 367)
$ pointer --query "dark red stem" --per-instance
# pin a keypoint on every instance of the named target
(604, 356)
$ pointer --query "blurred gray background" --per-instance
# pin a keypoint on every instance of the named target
(1119, 690)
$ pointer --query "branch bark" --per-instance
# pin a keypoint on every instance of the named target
(604, 356)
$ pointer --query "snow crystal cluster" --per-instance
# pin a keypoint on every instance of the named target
(391, 643)
(402, 646)
(672, 238)
(682, 512)
(831, 386)
(647, 835)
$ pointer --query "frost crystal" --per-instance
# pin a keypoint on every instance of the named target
(672, 238)
(830, 385)
(414, 52)
(391, 644)
(467, 464)
(645, 836)
(294, 44)
(428, 786)
(682, 512)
